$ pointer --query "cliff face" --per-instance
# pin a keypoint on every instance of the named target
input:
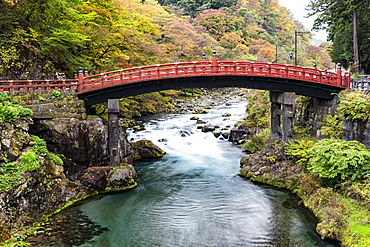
(357, 130)
(82, 145)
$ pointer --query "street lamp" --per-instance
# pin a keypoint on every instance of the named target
(296, 33)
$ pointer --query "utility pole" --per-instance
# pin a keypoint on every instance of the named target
(295, 45)
(356, 62)
(276, 51)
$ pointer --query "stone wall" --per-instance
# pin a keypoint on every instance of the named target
(311, 112)
(52, 104)
(357, 130)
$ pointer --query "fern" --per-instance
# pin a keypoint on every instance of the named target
(339, 160)
(297, 148)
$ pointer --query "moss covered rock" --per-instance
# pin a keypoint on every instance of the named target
(146, 149)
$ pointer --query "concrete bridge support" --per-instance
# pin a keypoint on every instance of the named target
(282, 114)
(114, 132)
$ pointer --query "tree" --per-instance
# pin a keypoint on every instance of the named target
(337, 18)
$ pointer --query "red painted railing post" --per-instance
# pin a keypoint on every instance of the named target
(86, 73)
(348, 84)
(29, 84)
(214, 67)
(11, 86)
(339, 75)
(80, 77)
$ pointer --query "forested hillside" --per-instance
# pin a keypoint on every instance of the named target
(41, 37)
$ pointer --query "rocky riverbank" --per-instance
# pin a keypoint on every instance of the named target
(341, 207)
(76, 168)
(56, 181)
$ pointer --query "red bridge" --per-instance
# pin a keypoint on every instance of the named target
(202, 74)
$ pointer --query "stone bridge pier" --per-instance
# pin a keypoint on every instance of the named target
(114, 132)
(282, 114)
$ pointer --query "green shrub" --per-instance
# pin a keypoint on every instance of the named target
(258, 109)
(257, 142)
(297, 148)
(338, 160)
(333, 127)
(354, 105)
(351, 105)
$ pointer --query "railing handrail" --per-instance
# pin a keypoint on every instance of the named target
(87, 83)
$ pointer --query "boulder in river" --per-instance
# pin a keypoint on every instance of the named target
(121, 177)
(209, 128)
(146, 149)
(239, 133)
(199, 110)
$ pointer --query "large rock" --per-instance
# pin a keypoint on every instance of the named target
(37, 194)
(146, 149)
(84, 143)
(121, 177)
(13, 138)
(239, 133)
(209, 127)
(107, 178)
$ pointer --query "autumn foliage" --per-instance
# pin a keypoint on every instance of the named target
(40, 38)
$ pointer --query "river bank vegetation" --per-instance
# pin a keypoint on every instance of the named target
(331, 175)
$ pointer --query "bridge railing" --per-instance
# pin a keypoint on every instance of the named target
(85, 83)
(209, 68)
(362, 83)
(33, 85)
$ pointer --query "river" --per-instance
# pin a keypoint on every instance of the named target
(194, 197)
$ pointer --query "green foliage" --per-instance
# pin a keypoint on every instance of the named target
(16, 241)
(354, 105)
(55, 158)
(11, 172)
(336, 17)
(39, 146)
(10, 175)
(29, 161)
(301, 132)
(56, 93)
(257, 142)
(333, 127)
(10, 110)
(297, 148)
(41, 37)
(338, 160)
(258, 109)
